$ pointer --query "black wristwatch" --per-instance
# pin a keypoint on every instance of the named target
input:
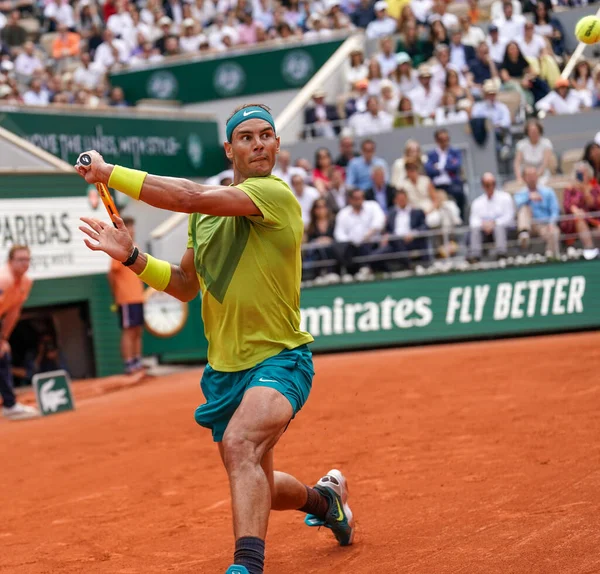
(132, 258)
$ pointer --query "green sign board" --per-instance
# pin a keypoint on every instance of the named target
(217, 77)
(454, 306)
(470, 305)
(183, 147)
(53, 392)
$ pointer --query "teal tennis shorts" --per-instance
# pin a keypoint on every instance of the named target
(290, 372)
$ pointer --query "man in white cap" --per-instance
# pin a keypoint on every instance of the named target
(383, 25)
(426, 97)
(498, 113)
(189, 41)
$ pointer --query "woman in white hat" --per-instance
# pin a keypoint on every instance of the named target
(405, 76)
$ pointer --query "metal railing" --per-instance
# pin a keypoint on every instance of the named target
(451, 240)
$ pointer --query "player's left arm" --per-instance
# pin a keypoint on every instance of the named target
(170, 193)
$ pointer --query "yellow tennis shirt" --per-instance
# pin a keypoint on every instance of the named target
(249, 270)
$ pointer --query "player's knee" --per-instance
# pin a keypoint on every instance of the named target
(238, 452)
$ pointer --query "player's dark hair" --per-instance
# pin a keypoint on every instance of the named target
(243, 107)
(16, 247)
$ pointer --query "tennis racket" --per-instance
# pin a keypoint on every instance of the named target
(105, 195)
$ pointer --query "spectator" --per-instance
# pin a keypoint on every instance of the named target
(418, 187)
(358, 102)
(337, 194)
(412, 151)
(418, 49)
(443, 216)
(471, 35)
(121, 20)
(549, 27)
(117, 98)
(27, 62)
(356, 69)
(591, 155)
(405, 76)
(440, 69)
(581, 199)
(497, 113)
(364, 14)
(497, 9)
(389, 98)
(13, 34)
(426, 97)
(405, 116)
(383, 25)
(111, 52)
(166, 24)
(361, 221)
(421, 10)
(537, 213)
(60, 12)
(324, 168)
(306, 196)
(346, 151)
(48, 358)
(511, 25)
(190, 40)
(320, 118)
(460, 54)
(450, 112)
(583, 82)
(171, 46)
(358, 173)
(492, 214)
(387, 57)
(562, 100)
(36, 95)
(482, 68)
(496, 45)
(374, 77)
(516, 73)
(534, 150)
(381, 191)
(438, 12)
(285, 171)
(66, 44)
(404, 224)
(87, 19)
(438, 34)
(454, 87)
(373, 121)
(319, 236)
(147, 54)
(444, 168)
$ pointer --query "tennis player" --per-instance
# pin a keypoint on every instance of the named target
(243, 254)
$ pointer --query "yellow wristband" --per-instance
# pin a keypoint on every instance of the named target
(157, 273)
(127, 181)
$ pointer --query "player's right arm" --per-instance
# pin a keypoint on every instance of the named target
(180, 281)
(173, 193)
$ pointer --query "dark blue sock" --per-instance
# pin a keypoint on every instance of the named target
(250, 552)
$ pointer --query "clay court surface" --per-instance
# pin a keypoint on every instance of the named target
(474, 458)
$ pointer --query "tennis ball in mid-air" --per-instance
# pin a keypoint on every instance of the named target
(587, 30)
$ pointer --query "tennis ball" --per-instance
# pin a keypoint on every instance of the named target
(587, 30)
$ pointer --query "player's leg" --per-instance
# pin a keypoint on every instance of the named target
(254, 429)
(137, 347)
(127, 337)
(11, 409)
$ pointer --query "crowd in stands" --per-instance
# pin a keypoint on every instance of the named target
(363, 216)
(441, 69)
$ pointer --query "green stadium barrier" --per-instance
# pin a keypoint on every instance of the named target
(206, 79)
(458, 306)
(183, 147)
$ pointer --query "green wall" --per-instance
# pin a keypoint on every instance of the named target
(94, 290)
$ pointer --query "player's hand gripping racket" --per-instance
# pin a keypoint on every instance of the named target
(105, 196)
